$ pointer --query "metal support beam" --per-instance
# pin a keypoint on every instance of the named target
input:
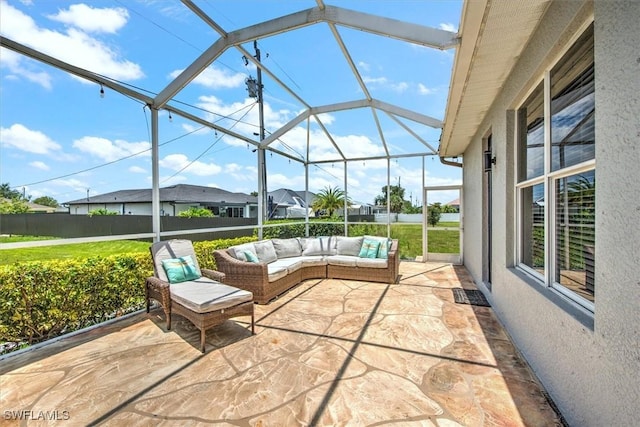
(155, 176)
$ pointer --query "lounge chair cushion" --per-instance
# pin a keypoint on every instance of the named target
(204, 295)
(167, 250)
(181, 269)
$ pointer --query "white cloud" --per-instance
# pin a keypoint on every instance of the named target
(375, 80)
(21, 66)
(423, 90)
(108, 150)
(75, 184)
(363, 65)
(73, 46)
(87, 18)
(447, 26)
(216, 78)
(400, 87)
(137, 169)
(196, 130)
(40, 165)
(32, 141)
(180, 162)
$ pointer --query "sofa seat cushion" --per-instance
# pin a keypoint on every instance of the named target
(291, 264)
(312, 261)
(204, 295)
(371, 262)
(287, 248)
(276, 272)
(345, 260)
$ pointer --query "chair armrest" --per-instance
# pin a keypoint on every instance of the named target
(157, 284)
(213, 274)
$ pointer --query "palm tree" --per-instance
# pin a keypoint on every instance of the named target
(329, 199)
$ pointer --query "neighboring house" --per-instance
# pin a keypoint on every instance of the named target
(36, 208)
(358, 208)
(551, 91)
(173, 200)
(285, 203)
(454, 204)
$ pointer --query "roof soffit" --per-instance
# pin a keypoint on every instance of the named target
(493, 36)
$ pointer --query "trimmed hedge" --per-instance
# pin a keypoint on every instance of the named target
(43, 300)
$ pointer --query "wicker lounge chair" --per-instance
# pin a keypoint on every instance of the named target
(204, 300)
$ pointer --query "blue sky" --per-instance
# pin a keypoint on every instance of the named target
(60, 138)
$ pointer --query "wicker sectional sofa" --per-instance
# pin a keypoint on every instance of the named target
(268, 268)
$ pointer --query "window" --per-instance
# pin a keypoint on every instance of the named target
(556, 176)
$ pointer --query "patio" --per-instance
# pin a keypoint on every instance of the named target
(330, 352)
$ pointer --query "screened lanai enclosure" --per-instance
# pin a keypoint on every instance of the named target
(389, 130)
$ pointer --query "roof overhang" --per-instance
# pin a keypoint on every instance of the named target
(493, 34)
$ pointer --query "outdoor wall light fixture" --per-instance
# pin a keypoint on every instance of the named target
(488, 160)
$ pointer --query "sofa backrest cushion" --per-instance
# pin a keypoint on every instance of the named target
(265, 251)
(238, 251)
(349, 245)
(325, 245)
(287, 248)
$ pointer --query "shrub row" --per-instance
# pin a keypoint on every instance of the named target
(45, 299)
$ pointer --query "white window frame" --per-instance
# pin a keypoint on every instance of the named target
(548, 178)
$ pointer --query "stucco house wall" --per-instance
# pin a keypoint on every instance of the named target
(588, 362)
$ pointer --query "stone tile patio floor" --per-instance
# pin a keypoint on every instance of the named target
(330, 352)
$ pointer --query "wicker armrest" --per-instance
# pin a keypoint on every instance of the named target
(157, 284)
(242, 274)
(213, 274)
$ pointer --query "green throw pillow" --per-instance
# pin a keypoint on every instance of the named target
(251, 257)
(369, 249)
(180, 269)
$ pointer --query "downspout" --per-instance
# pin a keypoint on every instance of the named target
(450, 163)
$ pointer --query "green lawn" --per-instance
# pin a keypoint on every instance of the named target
(78, 250)
(409, 238)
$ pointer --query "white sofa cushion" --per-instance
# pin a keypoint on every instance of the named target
(371, 262)
(319, 246)
(291, 264)
(276, 272)
(345, 260)
(349, 245)
(287, 248)
(313, 260)
(265, 251)
(239, 250)
(204, 295)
